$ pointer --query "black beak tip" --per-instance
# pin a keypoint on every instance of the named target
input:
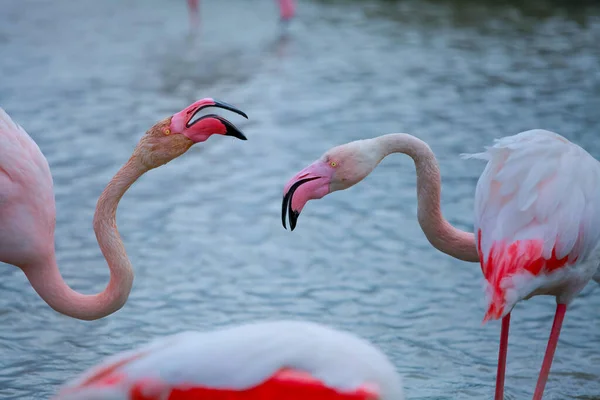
(238, 135)
(233, 131)
(226, 106)
(286, 211)
(293, 219)
(286, 205)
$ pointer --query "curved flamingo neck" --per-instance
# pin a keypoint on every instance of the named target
(440, 233)
(45, 276)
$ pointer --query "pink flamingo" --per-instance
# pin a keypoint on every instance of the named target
(287, 10)
(536, 217)
(275, 360)
(28, 214)
(193, 10)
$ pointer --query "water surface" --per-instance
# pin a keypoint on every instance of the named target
(86, 79)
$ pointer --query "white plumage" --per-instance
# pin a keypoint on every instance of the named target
(243, 357)
(537, 186)
(537, 227)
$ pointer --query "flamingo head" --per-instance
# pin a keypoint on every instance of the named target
(173, 136)
(339, 168)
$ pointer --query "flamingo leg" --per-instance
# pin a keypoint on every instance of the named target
(559, 316)
(502, 358)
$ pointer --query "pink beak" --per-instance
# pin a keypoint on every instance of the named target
(309, 184)
(182, 121)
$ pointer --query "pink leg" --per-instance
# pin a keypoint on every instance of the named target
(502, 358)
(559, 316)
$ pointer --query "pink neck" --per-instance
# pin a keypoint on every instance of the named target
(47, 281)
(440, 233)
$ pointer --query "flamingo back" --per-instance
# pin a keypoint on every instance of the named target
(537, 220)
(264, 360)
(27, 208)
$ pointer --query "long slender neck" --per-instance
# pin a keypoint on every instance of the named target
(440, 233)
(45, 276)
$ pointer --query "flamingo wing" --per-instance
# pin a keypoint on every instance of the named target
(27, 209)
(537, 216)
(20, 157)
(266, 361)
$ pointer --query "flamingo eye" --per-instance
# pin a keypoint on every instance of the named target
(333, 164)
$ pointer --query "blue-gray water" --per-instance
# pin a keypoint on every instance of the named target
(87, 78)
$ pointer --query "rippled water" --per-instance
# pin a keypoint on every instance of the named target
(86, 79)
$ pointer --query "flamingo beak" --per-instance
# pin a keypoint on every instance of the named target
(309, 184)
(202, 128)
(230, 129)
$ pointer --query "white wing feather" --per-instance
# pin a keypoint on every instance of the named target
(244, 356)
(538, 185)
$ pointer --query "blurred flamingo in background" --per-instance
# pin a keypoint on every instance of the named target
(275, 360)
(537, 217)
(28, 213)
(194, 12)
(287, 10)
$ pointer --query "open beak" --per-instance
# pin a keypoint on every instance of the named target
(231, 130)
(309, 184)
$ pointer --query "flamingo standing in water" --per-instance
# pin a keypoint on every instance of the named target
(28, 213)
(537, 217)
(287, 10)
(275, 360)
(194, 12)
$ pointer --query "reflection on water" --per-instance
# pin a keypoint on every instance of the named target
(87, 78)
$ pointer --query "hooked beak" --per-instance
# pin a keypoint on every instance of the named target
(230, 129)
(202, 128)
(309, 184)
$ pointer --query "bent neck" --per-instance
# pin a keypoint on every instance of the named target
(45, 276)
(440, 233)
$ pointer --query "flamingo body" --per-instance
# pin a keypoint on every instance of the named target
(27, 207)
(193, 10)
(537, 224)
(287, 9)
(537, 219)
(263, 360)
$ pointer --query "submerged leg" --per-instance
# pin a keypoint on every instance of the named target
(559, 316)
(502, 358)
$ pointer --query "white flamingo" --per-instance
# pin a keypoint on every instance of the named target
(290, 360)
(537, 217)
